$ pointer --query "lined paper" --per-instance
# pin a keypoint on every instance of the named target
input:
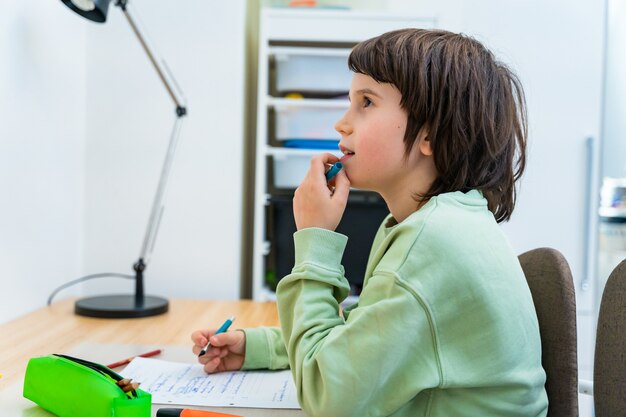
(188, 384)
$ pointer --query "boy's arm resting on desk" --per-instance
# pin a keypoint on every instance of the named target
(358, 367)
(265, 349)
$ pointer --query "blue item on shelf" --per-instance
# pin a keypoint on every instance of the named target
(312, 144)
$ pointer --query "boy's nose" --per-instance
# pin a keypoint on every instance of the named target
(342, 126)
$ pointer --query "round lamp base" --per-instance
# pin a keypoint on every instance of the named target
(120, 306)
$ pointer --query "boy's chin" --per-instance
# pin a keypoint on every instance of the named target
(358, 185)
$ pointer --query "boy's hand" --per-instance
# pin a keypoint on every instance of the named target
(317, 203)
(227, 351)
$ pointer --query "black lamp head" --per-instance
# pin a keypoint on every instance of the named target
(95, 10)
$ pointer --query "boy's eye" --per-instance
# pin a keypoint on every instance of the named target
(366, 102)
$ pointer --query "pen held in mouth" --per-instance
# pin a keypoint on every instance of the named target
(333, 171)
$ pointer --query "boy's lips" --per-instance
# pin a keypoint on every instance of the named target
(346, 157)
(347, 153)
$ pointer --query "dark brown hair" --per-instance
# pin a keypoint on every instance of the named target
(472, 105)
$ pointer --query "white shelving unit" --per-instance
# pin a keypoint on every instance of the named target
(302, 51)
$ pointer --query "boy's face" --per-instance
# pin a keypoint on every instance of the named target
(373, 129)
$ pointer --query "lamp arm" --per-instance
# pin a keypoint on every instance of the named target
(158, 63)
(157, 206)
(181, 110)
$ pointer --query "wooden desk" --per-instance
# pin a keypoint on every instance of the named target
(56, 329)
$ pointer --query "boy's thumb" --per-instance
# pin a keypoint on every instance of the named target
(342, 186)
(223, 339)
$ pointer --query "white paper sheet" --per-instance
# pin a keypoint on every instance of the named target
(188, 384)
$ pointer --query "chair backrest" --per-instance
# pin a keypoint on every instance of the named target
(552, 287)
(609, 373)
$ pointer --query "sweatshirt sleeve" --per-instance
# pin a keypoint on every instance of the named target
(265, 349)
(368, 365)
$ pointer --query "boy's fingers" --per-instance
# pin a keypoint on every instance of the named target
(211, 354)
(196, 349)
(320, 164)
(211, 366)
(215, 351)
(342, 186)
(317, 169)
(225, 339)
(323, 158)
(199, 338)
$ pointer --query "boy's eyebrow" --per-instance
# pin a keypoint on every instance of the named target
(364, 91)
(367, 91)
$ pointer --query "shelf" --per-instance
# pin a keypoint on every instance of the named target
(324, 25)
(287, 152)
(308, 51)
(316, 103)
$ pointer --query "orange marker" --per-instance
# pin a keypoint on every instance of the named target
(186, 412)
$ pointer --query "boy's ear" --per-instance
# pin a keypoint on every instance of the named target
(424, 143)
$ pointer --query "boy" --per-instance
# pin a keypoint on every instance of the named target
(445, 324)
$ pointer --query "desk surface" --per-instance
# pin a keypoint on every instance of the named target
(56, 329)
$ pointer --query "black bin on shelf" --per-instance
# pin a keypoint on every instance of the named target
(364, 214)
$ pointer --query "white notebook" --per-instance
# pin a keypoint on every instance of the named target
(188, 384)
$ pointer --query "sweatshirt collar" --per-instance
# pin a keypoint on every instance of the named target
(470, 198)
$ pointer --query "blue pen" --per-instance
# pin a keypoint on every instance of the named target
(333, 171)
(222, 329)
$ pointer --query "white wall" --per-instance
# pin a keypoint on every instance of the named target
(129, 120)
(84, 126)
(614, 146)
(42, 120)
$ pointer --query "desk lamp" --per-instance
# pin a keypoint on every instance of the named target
(137, 305)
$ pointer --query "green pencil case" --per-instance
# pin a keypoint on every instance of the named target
(72, 387)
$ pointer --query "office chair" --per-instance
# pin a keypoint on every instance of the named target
(609, 373)
(552, 288)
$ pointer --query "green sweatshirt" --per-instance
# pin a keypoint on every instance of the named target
(445, 325)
